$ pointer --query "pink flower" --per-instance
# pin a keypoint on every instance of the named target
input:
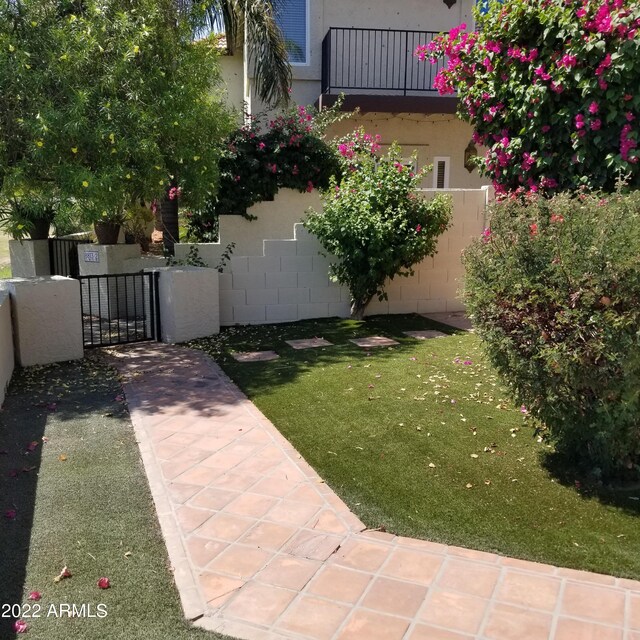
(261, 146)
(533, 229)
(20, 626)
(629, 116)
(579, 120)
(523, 409)
(596, 124)
(35, 595)
(594, 108)
(309, 186)
(103, 583)
(419, 228)
(545, 128)
(556, 218)
(486, 235)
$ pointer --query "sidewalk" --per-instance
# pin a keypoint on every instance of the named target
(262, 549)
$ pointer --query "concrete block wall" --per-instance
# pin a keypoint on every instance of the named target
(47, 324)
(286, 278)
(6, 343)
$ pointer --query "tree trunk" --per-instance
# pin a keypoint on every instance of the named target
(169, 214)
(358, 308)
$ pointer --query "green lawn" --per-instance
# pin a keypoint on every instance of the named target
(5, 266)
(81, 499)
(420, 439)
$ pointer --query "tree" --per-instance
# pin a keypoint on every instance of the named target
(107, 103)
(373, 222)
(248, 23)
(551, 88)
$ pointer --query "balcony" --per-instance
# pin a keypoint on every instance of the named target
(377, 71)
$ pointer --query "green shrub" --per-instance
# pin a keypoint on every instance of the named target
(373, 221)
(554, 290)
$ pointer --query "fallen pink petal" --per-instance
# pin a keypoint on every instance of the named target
(52, 406)
(32, 446)
(34, 595)
(20, 626)
(104, 583)
(12, 473)
(10, 514)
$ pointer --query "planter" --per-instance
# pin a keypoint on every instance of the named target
(107, 232)
(40, 229)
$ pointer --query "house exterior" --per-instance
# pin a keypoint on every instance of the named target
(365, 50)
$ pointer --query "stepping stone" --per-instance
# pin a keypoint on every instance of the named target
(255, 356)
(425, 335)
(309, 344)
(373, 341)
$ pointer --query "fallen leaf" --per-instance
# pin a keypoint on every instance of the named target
(487, 482)
(432, 466)
(62, 457)
(65, 573)
(469, 485)
(474, 455)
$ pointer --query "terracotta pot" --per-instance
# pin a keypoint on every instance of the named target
(107, 232)
(40, 230)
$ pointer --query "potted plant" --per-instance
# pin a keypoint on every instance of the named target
(28, 215)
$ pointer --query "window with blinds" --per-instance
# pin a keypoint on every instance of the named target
(441, 172)
(292, 18)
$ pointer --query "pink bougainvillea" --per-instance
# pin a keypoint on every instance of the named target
(548, 89)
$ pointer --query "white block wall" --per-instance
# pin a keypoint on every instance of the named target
(47, 322)
(286, 279)
(6, 343)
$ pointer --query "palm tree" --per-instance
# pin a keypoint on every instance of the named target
(249, 24)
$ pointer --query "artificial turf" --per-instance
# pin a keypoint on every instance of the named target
(422, 440)
(73, 493)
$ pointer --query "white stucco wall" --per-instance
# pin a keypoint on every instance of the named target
(47, 320)
(6, 342)
(189, 303)
(29, 258)
(286, 279)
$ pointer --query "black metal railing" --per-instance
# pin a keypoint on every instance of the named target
(377, 60)
(63, 257)
(120, 308)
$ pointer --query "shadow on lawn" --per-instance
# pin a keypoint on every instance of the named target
(35, 394)
(621, 495)
(257, 377)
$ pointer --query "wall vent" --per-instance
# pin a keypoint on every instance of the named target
(441, 172)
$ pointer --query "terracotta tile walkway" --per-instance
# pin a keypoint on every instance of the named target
(263, 549)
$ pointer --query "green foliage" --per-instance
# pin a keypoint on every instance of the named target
(288, 152)
(373, 221)
(107, 101)
(554, 290)
(551, 89)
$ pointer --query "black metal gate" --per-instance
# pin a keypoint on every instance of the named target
(120, 308)
(63, 257)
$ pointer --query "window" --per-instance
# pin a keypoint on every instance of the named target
(293, 19)
(441, 172)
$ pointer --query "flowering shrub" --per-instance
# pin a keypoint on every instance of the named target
(373, 222)
(551, 89)
(554, 290)
(258, 160)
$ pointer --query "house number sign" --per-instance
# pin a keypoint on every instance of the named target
(91, 256)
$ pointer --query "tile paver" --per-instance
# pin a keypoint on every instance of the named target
(262, 549)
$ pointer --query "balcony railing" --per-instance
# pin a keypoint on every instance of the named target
(377, 62)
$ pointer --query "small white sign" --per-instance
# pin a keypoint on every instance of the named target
(91, 256)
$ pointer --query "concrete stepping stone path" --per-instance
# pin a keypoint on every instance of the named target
(255, 356)
(374, 341)
(309, 343)
(262, 549)
(425, 335)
